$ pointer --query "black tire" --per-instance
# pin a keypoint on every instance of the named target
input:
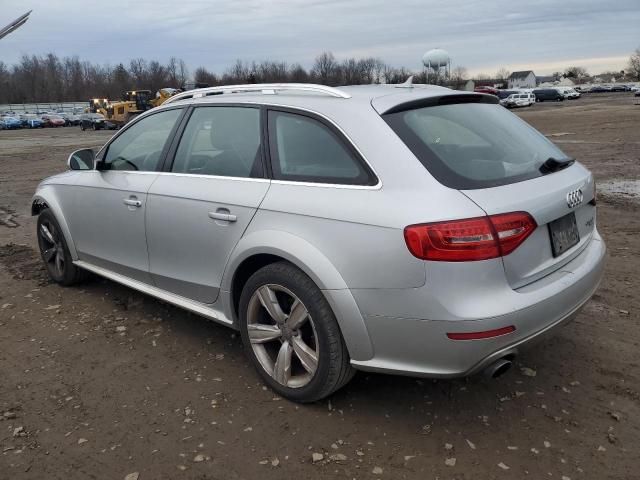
(334, 369)
(68, 274)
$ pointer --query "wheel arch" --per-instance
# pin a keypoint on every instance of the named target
(259, 249)
(46, 198)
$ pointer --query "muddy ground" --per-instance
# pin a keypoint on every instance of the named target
(99, 381)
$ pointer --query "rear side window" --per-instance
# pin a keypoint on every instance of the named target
(140, 146)
(304, 149)
(473, 145)
(221, 141)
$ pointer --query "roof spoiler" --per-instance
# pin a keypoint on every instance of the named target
(442, 100)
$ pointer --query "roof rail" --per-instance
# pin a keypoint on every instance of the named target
(264, 88)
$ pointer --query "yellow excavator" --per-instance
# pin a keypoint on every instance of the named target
(133, 103)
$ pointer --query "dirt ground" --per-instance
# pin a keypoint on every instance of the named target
(99, 381)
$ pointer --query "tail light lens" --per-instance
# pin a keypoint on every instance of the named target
(470, 239)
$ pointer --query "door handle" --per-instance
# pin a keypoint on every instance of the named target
(132, 202)
(227, 217)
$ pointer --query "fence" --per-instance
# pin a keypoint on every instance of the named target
(43, 107)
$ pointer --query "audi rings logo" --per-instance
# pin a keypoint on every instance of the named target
(574, 198)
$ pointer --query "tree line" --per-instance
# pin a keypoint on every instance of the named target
(48, 78)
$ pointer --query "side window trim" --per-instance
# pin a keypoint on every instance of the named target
(173, 148)
(270, 138)
(103, 151)
(167, 161)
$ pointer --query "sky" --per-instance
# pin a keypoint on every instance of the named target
(483, 36)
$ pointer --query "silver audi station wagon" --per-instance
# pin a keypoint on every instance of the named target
(406, 229)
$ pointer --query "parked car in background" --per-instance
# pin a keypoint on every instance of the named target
(548, 94)
(73, 119)
(31, 120)
(637, 93)
(618, 87)
(489, 90)
(8, 122)
(424, 231)
(53, 120)
(92, 121)
(503, 94)
(519, 100)
(569, 93)
(598, 89)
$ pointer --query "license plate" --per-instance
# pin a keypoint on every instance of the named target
(564, 234)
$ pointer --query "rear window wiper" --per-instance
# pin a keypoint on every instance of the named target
(551, 165)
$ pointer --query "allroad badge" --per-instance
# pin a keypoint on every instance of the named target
(574, 198)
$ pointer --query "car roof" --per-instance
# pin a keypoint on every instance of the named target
(383, 98)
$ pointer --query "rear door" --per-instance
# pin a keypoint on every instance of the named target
(200, 206)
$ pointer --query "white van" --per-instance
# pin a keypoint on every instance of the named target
(569, 93)
(521, 99)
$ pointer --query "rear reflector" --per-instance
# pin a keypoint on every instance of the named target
(471, 239)
(482, 335)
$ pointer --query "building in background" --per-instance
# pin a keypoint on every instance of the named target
(523, 79)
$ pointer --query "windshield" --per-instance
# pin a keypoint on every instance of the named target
(470, 146)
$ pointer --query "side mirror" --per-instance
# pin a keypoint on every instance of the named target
(81, 159)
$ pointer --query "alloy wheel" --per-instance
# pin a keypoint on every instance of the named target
(52, 248)
(282, 335)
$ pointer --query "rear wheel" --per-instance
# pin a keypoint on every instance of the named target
(291, 334)
(55, 253)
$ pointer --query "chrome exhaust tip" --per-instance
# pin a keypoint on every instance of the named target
(498, 368)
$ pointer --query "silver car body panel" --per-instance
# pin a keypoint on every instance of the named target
(393, 309)
(192, 264)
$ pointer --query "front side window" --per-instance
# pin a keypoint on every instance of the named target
(140, 146)
(304, 149)
(221, 141)
(473, 145)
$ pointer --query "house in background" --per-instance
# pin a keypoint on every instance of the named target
(546, 80)
(523, 79)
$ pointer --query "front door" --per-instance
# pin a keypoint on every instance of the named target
(198, 211)
(109, 205)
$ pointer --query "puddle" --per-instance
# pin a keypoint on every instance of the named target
(621, 188)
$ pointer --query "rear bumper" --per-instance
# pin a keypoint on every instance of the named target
(420, 347)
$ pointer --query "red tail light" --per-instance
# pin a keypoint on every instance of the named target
(471, 239)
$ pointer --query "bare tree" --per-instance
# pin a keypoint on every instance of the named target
(326, 69)
(503, 74)
(633, 68)
(578, 74)
(459, 73)
(298, 74)
(202, 75)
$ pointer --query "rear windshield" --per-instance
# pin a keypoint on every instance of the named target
(473, 145)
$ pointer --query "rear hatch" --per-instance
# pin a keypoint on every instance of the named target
(469, 143)
(565, 225)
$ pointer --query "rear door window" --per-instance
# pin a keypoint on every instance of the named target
(473, 145)
(221, 141)
(305, 149)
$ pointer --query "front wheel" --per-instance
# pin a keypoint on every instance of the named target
(291, 334)
(54, 251)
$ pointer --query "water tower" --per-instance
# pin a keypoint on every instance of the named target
(437, 65)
